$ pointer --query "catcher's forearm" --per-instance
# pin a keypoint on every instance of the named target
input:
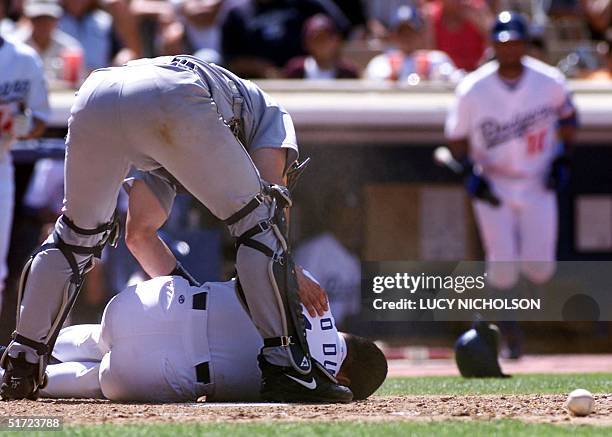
(152, 253)
(271, 163)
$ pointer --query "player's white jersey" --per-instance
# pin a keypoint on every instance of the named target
(163, 340)
(511, 129)
(22, 86)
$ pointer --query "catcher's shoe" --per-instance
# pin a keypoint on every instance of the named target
(20, 379)
(285, 384)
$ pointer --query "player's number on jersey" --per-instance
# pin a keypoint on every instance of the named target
(535, 142)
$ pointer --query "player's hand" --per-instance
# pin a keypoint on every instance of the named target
(477, 186)
(312, 295)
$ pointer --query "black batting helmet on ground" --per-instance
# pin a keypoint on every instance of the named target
(476, 351)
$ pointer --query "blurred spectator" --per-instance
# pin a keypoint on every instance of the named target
(599, 16)
(6, 24)
(580, 62)
(408, 60)
(54, 47)
(380, 14)
(261, 36)
(152, 16)
(584, 63)
(496, 5)
(94, 29)
(460, 29)
(323, 42)
(355, 12)
(197, 28)
(562, 8)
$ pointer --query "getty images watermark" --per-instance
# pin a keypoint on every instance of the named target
(457, 291)
(459, 284)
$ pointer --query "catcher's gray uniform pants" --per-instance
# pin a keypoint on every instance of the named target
(149, 116)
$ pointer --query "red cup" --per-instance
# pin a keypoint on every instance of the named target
(73, 65)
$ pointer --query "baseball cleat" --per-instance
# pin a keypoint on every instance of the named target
(20, 379)
(285, 384)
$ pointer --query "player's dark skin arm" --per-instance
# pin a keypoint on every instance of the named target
(459, 148)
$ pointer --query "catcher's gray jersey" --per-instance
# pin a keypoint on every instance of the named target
(263, 124)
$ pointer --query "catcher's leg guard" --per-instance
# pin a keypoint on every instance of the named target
(264, 261)
(23, 378)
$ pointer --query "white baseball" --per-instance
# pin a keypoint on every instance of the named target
(580, 402)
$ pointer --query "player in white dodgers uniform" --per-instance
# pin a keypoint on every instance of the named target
(509, 123)
(166, 341)
(24, 110)
(194, 119)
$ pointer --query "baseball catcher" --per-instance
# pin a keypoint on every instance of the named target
(194, 119)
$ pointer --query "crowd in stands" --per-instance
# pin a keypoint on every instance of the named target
(394, 40)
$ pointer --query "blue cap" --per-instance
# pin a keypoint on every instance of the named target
(509, 26)
(409, 15)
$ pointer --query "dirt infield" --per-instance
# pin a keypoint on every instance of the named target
(528, 408)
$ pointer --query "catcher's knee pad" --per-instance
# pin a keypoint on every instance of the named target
(79, 256)
(261, 225)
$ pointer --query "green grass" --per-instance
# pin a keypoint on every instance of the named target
(355, 429)
(518, 384)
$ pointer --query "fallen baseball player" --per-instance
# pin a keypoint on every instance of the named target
(164, 340)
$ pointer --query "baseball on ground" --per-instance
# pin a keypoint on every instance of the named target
(580, 402)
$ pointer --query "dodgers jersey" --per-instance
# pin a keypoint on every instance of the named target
(22, 86)
(512, 130)
(154, 335)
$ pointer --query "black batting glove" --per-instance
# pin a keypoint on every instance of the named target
(478, 186)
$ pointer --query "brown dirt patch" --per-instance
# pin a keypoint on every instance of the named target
(528, 408)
